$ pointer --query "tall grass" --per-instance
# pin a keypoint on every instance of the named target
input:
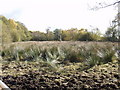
(54, 55)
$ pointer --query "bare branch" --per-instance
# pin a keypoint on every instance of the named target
(111, 4)
(101, 6)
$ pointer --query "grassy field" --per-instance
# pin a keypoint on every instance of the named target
(60, 65)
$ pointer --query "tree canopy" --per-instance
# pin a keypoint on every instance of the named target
(14, 31)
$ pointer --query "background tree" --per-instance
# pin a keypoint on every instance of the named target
(38, 36)
(70, 34)
(110, 31)
(112, 34)
(58, 34)
(96, 35)
(50, 36)
(13, 31)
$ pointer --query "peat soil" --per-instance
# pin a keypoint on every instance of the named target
(102, 77)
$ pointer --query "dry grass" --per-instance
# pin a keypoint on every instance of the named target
(54, 52)
(54, 58)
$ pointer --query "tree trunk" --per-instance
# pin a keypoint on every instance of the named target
(119, 22)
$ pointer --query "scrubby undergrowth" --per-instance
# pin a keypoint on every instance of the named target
(60, 65)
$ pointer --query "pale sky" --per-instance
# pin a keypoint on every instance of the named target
(61, 14)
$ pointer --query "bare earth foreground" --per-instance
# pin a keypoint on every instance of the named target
(22, 75)
(99, 77)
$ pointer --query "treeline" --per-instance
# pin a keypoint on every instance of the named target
(72, 34)
(75, 34)
(14, 31)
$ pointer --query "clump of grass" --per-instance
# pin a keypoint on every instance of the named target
(90, 55)
(53, 56)
(100, 55)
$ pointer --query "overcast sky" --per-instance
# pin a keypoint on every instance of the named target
(62, 14)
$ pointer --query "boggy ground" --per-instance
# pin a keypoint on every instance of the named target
(36, 76)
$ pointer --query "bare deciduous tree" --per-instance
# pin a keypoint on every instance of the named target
(116, 21)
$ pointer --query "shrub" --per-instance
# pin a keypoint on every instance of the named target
(56, 54)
